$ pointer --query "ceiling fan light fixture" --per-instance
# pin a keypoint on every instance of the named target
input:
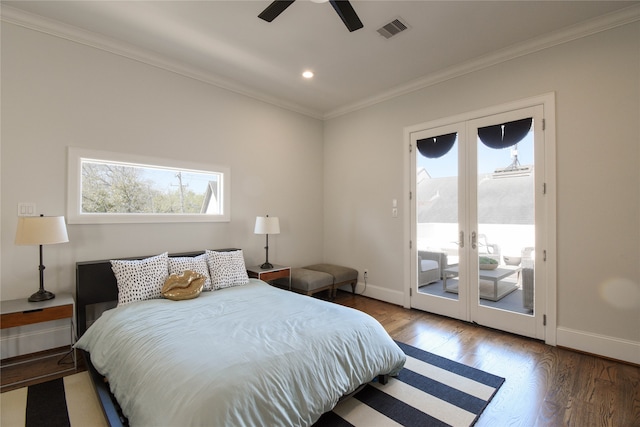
(342, 7)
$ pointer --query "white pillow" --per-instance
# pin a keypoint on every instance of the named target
(140, 280)
(177, 265)
(227, 269)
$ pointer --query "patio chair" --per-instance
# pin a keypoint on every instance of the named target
(430, 266)
(489, 250)
(528, 286)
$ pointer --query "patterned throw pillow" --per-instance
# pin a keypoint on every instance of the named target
(198, 264)
(140, 280)
(227, 269)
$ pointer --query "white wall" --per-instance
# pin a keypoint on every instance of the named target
(597, 84)
(334, 201)
(57, 93)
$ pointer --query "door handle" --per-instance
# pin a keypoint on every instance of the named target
(461, 241)
(473, 240)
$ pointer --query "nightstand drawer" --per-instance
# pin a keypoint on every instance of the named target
(273, 275)
(37, 315)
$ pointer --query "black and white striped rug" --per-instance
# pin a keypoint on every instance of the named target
(429, 391)
(69, 401)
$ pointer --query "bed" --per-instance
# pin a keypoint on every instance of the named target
(241, 355)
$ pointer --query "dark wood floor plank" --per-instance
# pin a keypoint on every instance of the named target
(38, 367)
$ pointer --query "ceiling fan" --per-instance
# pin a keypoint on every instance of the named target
(342, 7)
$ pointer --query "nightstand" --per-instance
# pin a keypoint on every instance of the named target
(20, 312)
(270, 274)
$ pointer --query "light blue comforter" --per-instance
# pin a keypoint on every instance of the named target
(251, 355)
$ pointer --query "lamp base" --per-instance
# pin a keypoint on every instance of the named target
(41, 295)
(266, 266)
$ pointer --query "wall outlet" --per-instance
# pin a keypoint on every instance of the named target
(365, 273)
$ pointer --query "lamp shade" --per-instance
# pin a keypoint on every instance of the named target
(41, 230)
(267, 225)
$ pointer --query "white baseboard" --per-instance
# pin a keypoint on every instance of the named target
(376, 292)
(19, 342)
(602, 345)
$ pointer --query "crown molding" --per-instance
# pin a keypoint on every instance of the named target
(584, 29)
(74, 34)
(68, 32)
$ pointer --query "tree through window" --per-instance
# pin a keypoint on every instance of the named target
(112, 190)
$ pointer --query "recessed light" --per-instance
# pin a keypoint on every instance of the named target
(307, 74)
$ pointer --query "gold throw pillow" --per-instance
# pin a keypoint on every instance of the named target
(186, 285)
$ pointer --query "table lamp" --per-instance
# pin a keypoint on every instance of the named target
(41, 230)
(267, 225)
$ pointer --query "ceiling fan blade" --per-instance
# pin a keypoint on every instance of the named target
(347, 14)
(274, 9)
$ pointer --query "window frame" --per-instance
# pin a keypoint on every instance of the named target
(75, 215)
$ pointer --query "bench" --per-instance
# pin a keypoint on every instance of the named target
(308, 282)
(321, 277)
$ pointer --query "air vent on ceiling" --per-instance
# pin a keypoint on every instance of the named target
(392, 28)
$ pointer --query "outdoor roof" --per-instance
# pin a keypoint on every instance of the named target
(501, 200)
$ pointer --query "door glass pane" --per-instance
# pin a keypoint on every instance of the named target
(437, 215)
(506, 227)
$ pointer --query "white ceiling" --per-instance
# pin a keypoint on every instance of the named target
(223, 42)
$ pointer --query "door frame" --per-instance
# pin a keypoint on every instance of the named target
(547, 101)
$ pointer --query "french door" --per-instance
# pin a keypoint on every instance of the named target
(478, 220)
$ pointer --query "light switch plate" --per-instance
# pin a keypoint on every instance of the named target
(26, 209)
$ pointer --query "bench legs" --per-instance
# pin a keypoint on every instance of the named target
(348, 282)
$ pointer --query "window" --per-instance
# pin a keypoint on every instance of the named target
(106, 187)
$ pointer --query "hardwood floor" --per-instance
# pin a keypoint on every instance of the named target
(38, 367)
(545, 386)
